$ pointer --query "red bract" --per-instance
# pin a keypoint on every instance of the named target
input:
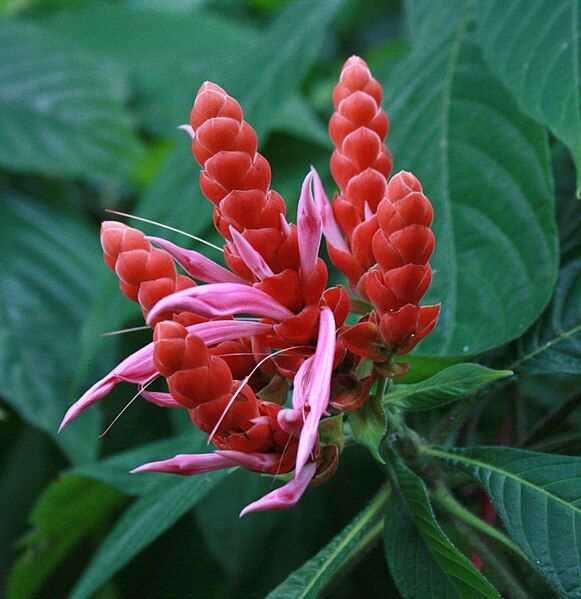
(146, 274)
(232, 373)
(402, 247)
(262, 247)
(360, 165)
(203, 383)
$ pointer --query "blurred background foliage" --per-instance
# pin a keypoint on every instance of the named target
(91, 95)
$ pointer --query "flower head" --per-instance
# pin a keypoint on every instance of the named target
(231, 341)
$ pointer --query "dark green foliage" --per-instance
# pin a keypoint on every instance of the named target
(483, 100)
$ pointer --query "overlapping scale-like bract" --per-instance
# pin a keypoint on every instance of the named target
(146, 274)
(202, 382)
(360, 164)
(236, 178)
(402, 247)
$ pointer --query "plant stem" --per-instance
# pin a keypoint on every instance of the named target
(445, 498)
(496, 568)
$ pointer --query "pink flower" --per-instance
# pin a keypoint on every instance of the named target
(285, 496)
(313, 395)
(138, 368)
(196, 264)
(221, 299)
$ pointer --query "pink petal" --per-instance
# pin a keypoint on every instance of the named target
(138, 368)
(309, 228)
(367, 211)
(164, 400)
(196, 264)
(221, 299)
(188, 464)
(284, 226)
(300, 383)
(286, 496)
(318, 388)
(291, 421)
(252, 460)
(250, 256)
(330, 227)
(188, 129)
(217, 331)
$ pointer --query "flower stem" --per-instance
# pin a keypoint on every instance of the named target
(445, 498)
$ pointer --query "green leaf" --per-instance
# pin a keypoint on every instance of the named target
(422, 560)
(534, 48)
(47, 269)
(345, 549)
(446, 386)
(165, 55)
(144, 521)
(369, 425)
(68, 511)
(538, 497)
(423, 367)
(553, 344)
(297, 117)
(485, 167)
(60, 114)
(115, 470)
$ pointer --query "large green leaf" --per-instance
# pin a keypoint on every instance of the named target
(446, 386)
(538, 497)
(553, 344)
(169, 54)
(68, 511)
(47, 268)
(534, 48)
(60, 113)
(146, 519)
(310, 580)
(422, 560)
(485, 167)
(165, 55)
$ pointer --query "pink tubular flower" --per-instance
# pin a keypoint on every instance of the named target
(138, 368)
(196, 264)
(314, 397)
(309, 228)
(286, 496)
(221, 299)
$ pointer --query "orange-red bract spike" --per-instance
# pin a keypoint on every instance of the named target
(402, 248)
(200, 380)
(236, 178)
(146, 274)
(360, 164)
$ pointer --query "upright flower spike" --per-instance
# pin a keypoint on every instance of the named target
(261, 247)
(402, 248)
(145, 273)
(218, 405)
(360, 164)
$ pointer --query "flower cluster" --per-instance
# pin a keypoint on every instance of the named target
(233, 348)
